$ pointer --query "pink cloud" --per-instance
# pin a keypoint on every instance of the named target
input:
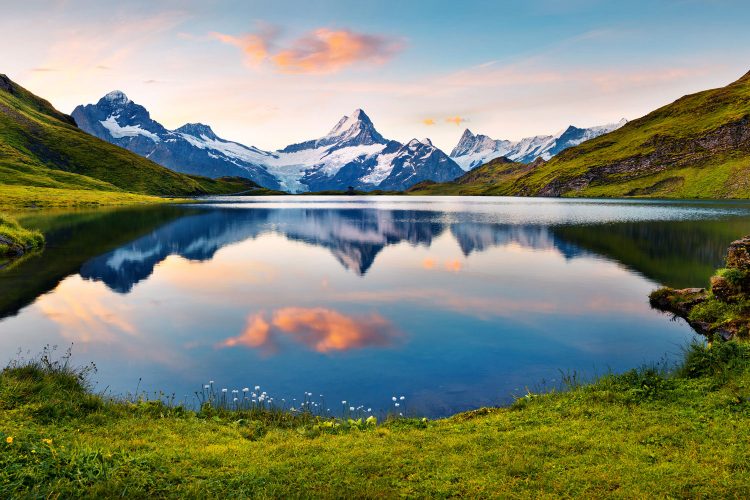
(255, 46)
(321, 51)
(322, 330)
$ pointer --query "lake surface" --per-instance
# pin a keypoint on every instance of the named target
(454, 303)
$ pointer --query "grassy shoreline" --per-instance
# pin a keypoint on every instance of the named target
(645, 433)
(16, 240)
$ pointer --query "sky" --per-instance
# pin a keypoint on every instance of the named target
(271, 73)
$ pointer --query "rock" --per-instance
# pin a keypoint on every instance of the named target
(723, 289)
(679, 302)
(718, 314)
(738, 255)
(6, 84)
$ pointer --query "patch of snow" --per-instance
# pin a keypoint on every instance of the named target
(381, 171)
(227, 148)
(118, 132)
(290, 168)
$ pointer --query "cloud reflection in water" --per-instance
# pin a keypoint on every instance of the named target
(320, 329)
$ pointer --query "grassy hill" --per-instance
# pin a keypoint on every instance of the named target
(42, 149)
(695, 147)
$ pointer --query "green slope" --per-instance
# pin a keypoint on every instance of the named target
(695, 147)
(41, 147)
(478, 181)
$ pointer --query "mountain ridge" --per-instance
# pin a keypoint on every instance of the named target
(352, 154)
(473, 150)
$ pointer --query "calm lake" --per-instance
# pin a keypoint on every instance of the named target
(454, 303)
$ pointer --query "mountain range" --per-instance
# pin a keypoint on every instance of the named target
(475, 150)
(352, 154)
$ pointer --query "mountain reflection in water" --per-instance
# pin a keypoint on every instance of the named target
(355, 237)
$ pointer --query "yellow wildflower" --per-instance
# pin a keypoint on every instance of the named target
(9, 440)
(47, 441)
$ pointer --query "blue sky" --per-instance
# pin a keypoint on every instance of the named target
(271, 73)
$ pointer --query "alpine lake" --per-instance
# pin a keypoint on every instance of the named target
(451, 303)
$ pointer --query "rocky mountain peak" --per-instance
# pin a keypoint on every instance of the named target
(354, 130)
(465, 144)
(197, 130)
(116, 97)
(357, 120)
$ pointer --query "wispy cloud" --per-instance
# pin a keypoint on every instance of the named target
(321, 51)
(255, 46)
(456, 120)
(429, 122)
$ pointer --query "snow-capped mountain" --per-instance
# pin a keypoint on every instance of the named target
(474, 150)
(192, 149)
(353, 153)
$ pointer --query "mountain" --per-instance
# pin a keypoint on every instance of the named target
(696, 147)
(43, 148)
(474, 150)
(353, 153)
(192, 149)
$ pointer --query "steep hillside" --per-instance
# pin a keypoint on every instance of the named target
(42, 148)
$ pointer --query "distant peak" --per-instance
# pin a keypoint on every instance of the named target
(570, 129)
(358, 114)
(117, 96)
(467, 134)
(197, 130)
(414, 142)
(356, 123)
(427, 141)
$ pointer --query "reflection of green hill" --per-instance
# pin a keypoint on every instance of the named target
(678, 254)
(72, 239)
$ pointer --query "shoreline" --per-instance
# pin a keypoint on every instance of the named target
(646, 432)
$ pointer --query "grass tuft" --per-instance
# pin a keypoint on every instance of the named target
(16, 240)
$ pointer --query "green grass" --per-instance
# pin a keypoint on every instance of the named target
(16, 240)
(646, 433)
(20, 197)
